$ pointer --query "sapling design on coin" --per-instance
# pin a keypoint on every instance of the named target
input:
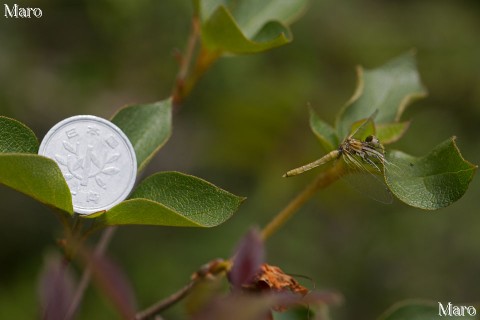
(96, 159)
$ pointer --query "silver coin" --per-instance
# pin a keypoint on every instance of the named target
(96, 159)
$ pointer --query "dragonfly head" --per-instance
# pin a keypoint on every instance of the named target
(374, 142)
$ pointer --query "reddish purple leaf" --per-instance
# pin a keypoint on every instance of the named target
(238, 306)
(55, 288)
(243, 306)
(113, 283)
(249, 256)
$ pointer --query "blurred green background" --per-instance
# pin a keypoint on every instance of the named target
(244, 125)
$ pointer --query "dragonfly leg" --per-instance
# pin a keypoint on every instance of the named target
(372, 163)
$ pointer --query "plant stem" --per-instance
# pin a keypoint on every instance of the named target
(87, 272)
(185, 81)
(323, 180)
(179, 91)
(186, 77)
(209, 270)
(165, 303)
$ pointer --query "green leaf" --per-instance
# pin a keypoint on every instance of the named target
(324, 132)
(391, 132)
(362, 128)
(25, 171)
(16, 137)
(37, 177)
(246, 26)
(174, 199)
(388, 89)
(430, 182)
(418, 310)
(147, 126)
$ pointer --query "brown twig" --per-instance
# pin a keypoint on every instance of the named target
(186, 76)
(208, 271)
(165, 303)
(321, 181)
(184, 83)
(185, 61)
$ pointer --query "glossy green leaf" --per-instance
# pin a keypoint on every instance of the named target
(174, 199)
(388, 89)
(420, 310)
(16, 137)
(324, 132)
(430, 182)
(147, 126)
(37, 177)
(25, 171)
(391, 132)
(246, 26)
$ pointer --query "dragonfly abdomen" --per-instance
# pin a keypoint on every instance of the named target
(332, 155)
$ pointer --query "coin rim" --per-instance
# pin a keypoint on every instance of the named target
(129, 187)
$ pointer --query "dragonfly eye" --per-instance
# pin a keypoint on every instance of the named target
(372, 139)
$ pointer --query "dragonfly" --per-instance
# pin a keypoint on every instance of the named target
(362, 156)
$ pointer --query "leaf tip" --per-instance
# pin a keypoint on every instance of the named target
(249, 255)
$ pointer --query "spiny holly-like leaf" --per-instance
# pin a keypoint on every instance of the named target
(430, 182)
(246, 26)
(324, 132)
(15, 137)
(390, 132)
(419, 310)
(147, 126)
(173, 199)
(362, 128)
(388, 89)
(37, 177)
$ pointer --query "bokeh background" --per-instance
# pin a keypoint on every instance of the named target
(243, 126)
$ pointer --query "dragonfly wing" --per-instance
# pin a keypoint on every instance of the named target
(366, 179)
(363, 128)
